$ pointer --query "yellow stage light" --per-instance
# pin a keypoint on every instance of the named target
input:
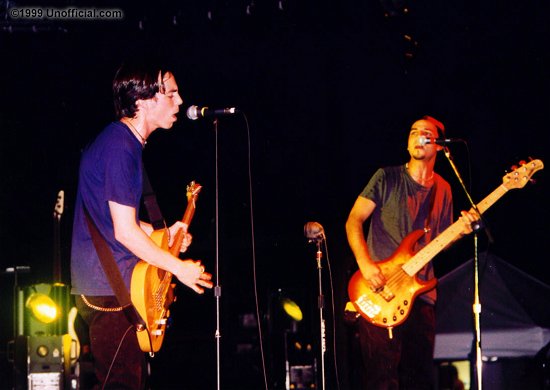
(292, 309)
(42, 307)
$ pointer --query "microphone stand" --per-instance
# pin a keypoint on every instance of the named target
(217, 287)
(476, 307)
(321, 304)
(18, 323)
(17, 300)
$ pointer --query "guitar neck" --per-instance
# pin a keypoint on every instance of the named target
(56, 251)
(189, 212)
(186, 220)
(423, 257)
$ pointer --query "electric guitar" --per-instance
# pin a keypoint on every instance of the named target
(390, 306)
(151, 288)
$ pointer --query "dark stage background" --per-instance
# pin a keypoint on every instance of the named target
(329, 90)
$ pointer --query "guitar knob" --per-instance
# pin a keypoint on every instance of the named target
(385, 320)
(405, 302)
(402, 312)
(395, 318)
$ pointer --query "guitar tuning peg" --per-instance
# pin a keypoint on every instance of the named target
(514, 167)
(522, 162)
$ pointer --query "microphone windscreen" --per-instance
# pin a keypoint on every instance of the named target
(193, 113)
(313, 230)
(423, 140)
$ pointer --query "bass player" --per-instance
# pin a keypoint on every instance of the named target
(399, 200)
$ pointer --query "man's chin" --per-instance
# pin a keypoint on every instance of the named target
(168, 126)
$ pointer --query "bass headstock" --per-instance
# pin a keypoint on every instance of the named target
(521, 175)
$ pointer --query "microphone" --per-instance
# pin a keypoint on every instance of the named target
(314, 231)
(194, 112)
(18, 269)
(422, 140)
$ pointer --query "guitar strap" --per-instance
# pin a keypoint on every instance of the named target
(114, 276)
(151, 205)
(431, 205)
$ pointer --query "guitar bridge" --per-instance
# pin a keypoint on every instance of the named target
(386, 293)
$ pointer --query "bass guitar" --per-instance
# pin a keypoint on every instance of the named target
(151, 288)
(390, 306)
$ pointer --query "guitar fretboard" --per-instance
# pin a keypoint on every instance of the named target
(423, 256)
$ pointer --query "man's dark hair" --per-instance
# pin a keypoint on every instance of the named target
(133, 82)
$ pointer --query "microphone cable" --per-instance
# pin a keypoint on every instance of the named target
(253, 250)
(253, 244)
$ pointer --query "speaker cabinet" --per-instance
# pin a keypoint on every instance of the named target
(39, 362)
(45, 354)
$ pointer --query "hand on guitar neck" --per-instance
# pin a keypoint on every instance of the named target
(177, 229)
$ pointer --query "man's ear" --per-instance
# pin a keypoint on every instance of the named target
(142, 104)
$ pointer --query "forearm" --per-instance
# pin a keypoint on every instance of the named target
(361, 211)
(136, 240)
(357, 243)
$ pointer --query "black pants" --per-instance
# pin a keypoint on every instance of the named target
(119, 362)
(403, 362)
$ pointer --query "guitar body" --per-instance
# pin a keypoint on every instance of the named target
(152, 293)
(151, 288)
(391, 306)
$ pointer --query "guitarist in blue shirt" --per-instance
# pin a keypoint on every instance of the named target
(109, 190)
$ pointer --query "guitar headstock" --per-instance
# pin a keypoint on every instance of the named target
(193, 190)
(58, 208)
(521, 175)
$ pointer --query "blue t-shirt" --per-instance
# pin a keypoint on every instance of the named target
(110, 170)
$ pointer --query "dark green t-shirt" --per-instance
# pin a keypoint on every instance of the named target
(402, 206)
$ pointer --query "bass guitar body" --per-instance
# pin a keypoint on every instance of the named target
(391, 305)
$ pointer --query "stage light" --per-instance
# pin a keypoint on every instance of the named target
(42, 307)
(292, 309)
